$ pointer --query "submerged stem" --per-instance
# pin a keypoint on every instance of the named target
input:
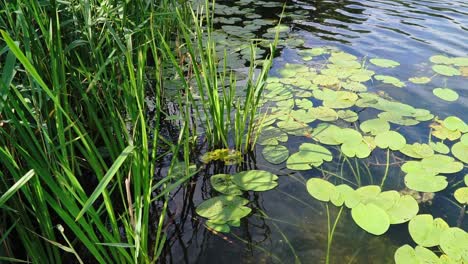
(387, 165)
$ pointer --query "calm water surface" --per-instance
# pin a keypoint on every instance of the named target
(287, 225)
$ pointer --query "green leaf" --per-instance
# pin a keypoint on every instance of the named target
(439, 147)
(272, 136)
(419, 80)
(442, 164)
(326, 134)
(460, 151)
(405, 255)
(105, 180)
(390, 80)
(223, 228)
(446, 70)
(275, 154)
(348, 115)
(371, 218)
(453, 242)
(405, 208)
(422, 183)
(309, 156)
(223, 208)
(390, 139)
(223, 183)
(13, 189)
(321, 189)
(439, 59)
(426, 231)
(461, 195)
(446, 94)
(385, 63)
(455, 123)
(417, 150)
(255, 180)
(375, 126)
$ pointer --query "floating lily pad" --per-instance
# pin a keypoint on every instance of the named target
(440, 59)
(223, 228)
(422, 183)
(321, 189)
(439, 147)
(326, 134)
(223, 183)
(309, 156)
(453, 242)
(460, 61)
(272, 136)
(255, 180)
(385, 63)
(419, 80)
(221, 209)
(371, 218)
(275, 154)
(454, 123)
(446, 70)
(348, 115)
(390, 80)
(426, 231)
(323, 113)
(304, 103)
(406, 254)
(375, 126)
(352, 149)
(460, 151)
(440, 131)
(442, 164)
(390, 139)
(355, 86)
(461, 195)
(405, 208)
(326, 80)
(446, 94)
(417, 150)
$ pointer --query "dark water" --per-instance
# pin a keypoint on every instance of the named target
(287, 225)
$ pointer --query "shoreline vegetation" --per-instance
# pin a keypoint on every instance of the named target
(97, 98)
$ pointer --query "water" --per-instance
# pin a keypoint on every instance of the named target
(287, 225)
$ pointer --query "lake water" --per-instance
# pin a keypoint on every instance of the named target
(287, 225)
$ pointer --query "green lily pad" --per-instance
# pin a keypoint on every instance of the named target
(223, 228)
(464, 139)
(326, 80)
(426, 231)
(445, 70)
(405, 208)
(304, 103)
(326, 134)
(390, 80)
(442, 164)
(255, 180)
(460, 151)
(417, 150)
(361, 75)
(365, 194)
(323, 113)
(440, 131)
(386, 200)
(419, 80)
(375, 126)
(461, 195)
(440, 59)
(406, 254)
(453, 242)
(272, 136)
(275, 154)
(440, 147)
(446, 94)
(454, 123)
(321, 189)
(385, 63)
(354, 86)
(223, 183)
(309, 156)
(422, 183)
(352, 149)
(223, 208)
(390, 139)
(371, 218)
(348, 115)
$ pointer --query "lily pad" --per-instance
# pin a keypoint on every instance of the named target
(352, 149)
(406, 254)
(390, 80)
(321, 189)
(453, 242)
(255, 180)
(439, 147)
(323, 113)
(446, 94)
(405, 208)
(426, 231)
(417, 150)
(348, 115)
(275, 154)
(385, 63)
(460, 151)
(440, 59)
(309, 156)
(223, 183)
(371, 218)
(446, 70)
(390, 139)
(223, 208)
(326, 134)
(223, 228)
(419, 80)
(375, 126)
(272, 136)
(442, 164)
(421, 183)
(461, 195)
(454, 123)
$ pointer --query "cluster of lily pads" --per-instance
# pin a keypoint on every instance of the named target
(227, 209)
